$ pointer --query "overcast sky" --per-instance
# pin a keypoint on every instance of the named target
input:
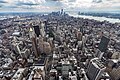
(53, 5)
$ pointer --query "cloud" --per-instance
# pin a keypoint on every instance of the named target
(52, 5)
(97, 1)
(31, 1)
(54, 0)
(90, 5)
(29, 4)
(2, 1)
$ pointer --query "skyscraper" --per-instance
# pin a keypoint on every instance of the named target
(37, 30)
(95, 69)
(34, 42)
(115, 73)
(62, 11)
(42, 29)
(103, 44)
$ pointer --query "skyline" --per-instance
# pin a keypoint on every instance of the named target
(59, 40)
(55, 5)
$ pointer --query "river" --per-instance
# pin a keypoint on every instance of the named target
(111, 20)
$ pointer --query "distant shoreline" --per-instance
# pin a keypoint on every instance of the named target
(101, 19)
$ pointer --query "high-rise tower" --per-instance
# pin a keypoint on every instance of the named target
(95, 69)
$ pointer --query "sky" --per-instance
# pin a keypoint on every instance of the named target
(55, 5)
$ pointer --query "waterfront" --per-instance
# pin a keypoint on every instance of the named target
(111, 20)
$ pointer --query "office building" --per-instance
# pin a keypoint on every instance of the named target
(35, 47)
(19, 74)
(115, 73)
(103, 44)
(34, 39)
(37, 30)
(25, 53)
(42, 29)
(95, 69)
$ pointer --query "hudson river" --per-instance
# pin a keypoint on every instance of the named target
(111, 20)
